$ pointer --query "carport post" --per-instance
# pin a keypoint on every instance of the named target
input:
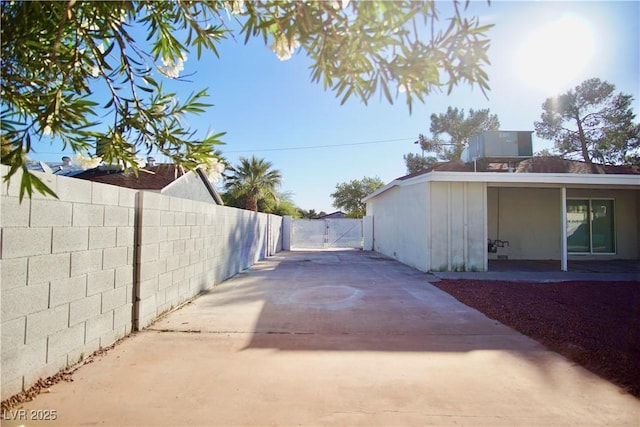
(563, 227)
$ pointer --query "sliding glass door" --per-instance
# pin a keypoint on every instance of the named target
(590, 226)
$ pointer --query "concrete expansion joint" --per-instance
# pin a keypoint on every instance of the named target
(199, 331)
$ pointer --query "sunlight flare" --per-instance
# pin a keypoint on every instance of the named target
(553, 55)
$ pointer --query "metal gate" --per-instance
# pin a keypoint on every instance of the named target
(326, 233)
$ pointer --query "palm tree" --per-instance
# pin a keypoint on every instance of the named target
(253, 180)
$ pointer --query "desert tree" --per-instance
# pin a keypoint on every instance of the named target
(348, 195)
(450, 131)
(591, 122)
(252, 181)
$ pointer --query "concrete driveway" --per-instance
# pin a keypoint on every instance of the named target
(333, 338)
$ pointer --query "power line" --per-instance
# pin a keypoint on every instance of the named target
(309, 147)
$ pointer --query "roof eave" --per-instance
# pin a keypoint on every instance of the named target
(559, 179)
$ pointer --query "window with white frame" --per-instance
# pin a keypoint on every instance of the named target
(591, 226)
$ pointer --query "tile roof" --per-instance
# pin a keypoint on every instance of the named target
(543, 164)
(560, 165)
(452, 166)
(149, 178)
(336, 214)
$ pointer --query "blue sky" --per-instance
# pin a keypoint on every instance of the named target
(271, 109)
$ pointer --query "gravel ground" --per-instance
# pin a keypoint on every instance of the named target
(595, 324)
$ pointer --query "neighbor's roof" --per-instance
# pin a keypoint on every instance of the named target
(336, 214)
(149, 178)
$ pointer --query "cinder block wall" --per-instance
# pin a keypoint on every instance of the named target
(67, 276)
(75, 271)
(187, 246)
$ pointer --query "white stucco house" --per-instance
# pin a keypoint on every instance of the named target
(453, 217)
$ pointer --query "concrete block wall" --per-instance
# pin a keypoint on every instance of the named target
(82, 271)
(185, 247)
(66, 272)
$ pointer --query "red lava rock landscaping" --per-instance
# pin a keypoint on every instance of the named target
(595, 324)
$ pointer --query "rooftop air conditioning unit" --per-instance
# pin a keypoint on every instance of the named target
(499, 146)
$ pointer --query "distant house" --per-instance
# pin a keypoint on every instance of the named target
(66, 167)
(333, 215)
(164, 178)
(457, 215)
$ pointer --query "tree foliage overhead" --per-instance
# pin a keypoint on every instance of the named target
(282, 204)
(593, 122)
(459, 127)
(311, 214)
(56, 54)
(416, 163)
(252, 181)
(348, 195)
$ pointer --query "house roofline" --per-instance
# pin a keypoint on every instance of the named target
(212, 190)
(518, 179)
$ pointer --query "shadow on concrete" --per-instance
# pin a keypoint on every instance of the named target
(341, 305)
(355, 301)
(346, 300)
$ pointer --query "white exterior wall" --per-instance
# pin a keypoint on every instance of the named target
(367, 231)
(465, 209)
(400, 224)
(458, 231)
(438, 226)
(528, 218)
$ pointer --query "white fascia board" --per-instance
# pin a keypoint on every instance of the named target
(520, 179)
(529, 178)
(381, 190)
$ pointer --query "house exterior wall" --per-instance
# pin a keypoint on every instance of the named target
(400, 225)
(437, 226)
(458, 232)
(528, 218)
(462, 211)
(71, 268)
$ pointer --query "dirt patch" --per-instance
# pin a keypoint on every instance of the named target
(595, 324)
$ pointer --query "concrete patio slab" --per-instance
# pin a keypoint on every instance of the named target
(332, 338)
(549, 271)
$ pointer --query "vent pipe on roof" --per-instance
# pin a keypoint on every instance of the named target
(151, 162)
